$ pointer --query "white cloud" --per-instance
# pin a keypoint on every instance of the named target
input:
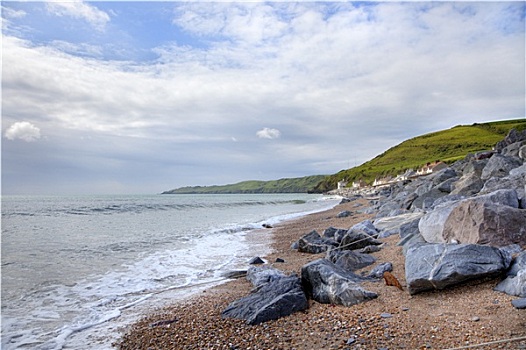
(23, 131)
(80, 10)
(268, 133)
(11, 13)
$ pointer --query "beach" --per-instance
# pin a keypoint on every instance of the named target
(459, 317)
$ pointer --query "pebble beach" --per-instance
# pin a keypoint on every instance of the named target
(470, 316)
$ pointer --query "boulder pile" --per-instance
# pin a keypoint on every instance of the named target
(464, 222)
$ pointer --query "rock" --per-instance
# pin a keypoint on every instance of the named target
(280, 298)
(334, 233)
(514, 181)
(349, 260)
(392, 225)
(468, 185)
(378, 271)
(329, 284)
(515, 282)
(386, 315)
(519, 303)
(426, 200)
(499, 166)
(370, 249)
(475, 319)
(359, 236)
(280, 260)
(313, 243)
(437, 266)
(234, 274)
(344, 214)
(260, 275)
(431, 225)
(256, 261)
(447, 186)
(512, 137)
(484, 222)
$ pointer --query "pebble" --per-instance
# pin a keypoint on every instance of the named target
(386, 315)
(351, 340)
(475, 319)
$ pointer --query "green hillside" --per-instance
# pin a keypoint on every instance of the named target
(296, 185)
(447, 145)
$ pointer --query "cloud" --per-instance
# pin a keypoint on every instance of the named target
(268, 133)
(23, 131)
(339, 80)
(80, 10)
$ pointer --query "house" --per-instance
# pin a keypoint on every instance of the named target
(431, 167)
(382, 181)
(342, 184)
(359, 184)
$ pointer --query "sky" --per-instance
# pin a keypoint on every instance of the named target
(142, 97)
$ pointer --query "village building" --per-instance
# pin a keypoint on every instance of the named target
(431, 167)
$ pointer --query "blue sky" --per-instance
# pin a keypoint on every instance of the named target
(142, 97)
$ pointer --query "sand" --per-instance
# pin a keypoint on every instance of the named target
(459, 317)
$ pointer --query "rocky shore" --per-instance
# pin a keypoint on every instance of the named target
(453, 240)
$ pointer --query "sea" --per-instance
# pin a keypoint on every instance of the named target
(76, 270)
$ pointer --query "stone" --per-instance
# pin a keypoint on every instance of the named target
(234, 274)
(437, 266)
(512, 137)
(468, 185)
(349, 260)
(393, 224)
(313, 243)
(280, 260)
(370, 249)
(499, 166)
(344, 214)
(359, 236)
(519, 303)
(329, 284)
(431, 225)
(260, 275)
(378, 271)
(515, 282)
(281, 297)
(256, 261)
(386, 315)
(484, 222)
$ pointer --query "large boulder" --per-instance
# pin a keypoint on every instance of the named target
(468, 185)
(313, 243)
(499, 166)
(512, 137)
(437, 266)
(350, 260)
(483, 222)
(260, 275)
(431, 225)
(329, 284)
(360, 236)
(515, 282)
(271, 301)
(391, 225)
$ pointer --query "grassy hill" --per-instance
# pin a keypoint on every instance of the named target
(296, 185)
(447, 145)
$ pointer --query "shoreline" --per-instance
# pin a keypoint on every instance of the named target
(457, 317)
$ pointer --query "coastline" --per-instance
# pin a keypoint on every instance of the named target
(457, 317)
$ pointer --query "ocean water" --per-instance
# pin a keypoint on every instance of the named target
(76, 270)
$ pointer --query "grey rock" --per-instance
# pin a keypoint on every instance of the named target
(329, 284)
(281, 297)
(344, 214)
(370, 249)
(448, 185)
(515, 282)
(426, 200)
(513, 136)
(431, 225)
(499, 166)
(360, 236)
(469, 184)
(386, 315)
(437, 266)
(519, 303)
(378, 271)
(349, 260)
(313, 243)
(393, 224)
(513, 149)
(256, 261)
(260, 275)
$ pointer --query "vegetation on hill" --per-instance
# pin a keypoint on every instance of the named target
(447, 146)
(296, 185)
